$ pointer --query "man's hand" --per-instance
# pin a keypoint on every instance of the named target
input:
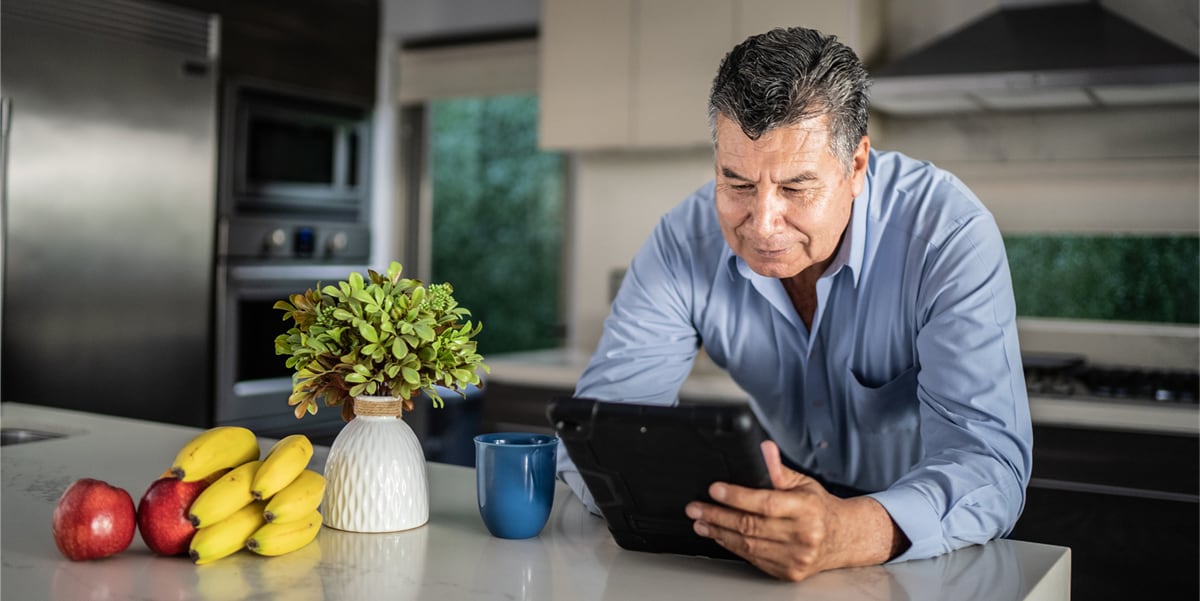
(798, 528)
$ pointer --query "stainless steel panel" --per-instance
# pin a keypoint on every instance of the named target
(111, 208)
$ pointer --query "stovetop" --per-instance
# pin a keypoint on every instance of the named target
(1065, 390)
(1071, 376)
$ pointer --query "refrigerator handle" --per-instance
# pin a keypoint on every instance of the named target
(6, 108)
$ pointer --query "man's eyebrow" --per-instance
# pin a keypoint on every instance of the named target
(731, 174)
(797, 179)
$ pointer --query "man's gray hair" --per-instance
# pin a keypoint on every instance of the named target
(785, 76)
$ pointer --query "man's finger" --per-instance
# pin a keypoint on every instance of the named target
(768, 555)
(746, 524)
(763, 501)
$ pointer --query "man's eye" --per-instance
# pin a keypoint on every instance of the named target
(743, 187)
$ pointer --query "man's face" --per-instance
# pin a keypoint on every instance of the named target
(784, 200)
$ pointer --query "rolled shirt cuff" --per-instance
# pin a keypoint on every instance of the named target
(917, 518)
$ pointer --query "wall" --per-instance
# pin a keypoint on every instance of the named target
(1037, 172)
(619, 198)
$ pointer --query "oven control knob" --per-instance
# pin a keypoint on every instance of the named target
(337, 243)
(276, 240)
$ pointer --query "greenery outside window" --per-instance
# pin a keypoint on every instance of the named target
(498, 218)
(1107, 277)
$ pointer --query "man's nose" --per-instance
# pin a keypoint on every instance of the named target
(767, 212)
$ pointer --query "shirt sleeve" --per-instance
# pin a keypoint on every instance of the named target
(649, 343)
(976, 435)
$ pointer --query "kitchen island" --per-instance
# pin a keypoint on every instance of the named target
(452, 557)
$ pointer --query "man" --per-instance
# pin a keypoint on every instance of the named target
(861, 298)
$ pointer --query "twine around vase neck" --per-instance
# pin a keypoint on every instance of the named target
(389, 408)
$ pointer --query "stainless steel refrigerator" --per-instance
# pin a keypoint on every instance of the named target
(108, 207)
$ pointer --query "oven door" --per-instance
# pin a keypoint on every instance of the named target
(253, 383)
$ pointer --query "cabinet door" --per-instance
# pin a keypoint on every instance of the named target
(679, 45)
(857, 23)
(584, 70)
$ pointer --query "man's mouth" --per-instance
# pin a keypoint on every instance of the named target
(770, 253)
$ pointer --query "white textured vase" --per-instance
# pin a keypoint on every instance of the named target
(375, 473)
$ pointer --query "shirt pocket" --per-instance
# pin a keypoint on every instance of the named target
(891, 407)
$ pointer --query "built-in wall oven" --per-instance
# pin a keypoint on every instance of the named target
(253, 382)
(293, 214)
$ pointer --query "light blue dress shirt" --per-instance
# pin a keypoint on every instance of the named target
(909, 385)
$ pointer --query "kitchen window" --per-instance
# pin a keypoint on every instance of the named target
(486, 207)
(498, 218)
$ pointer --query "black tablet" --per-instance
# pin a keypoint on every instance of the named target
(644, 463)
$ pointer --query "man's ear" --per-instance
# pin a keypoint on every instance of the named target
(861, 157)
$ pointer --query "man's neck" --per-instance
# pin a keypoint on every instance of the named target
(802, 290)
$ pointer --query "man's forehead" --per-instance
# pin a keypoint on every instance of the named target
(728, 128)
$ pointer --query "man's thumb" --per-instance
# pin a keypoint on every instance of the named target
(782, 477)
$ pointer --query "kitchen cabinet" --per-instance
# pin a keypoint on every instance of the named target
(323, 45)
(1124, 502)
(679, 45)
(584, 62)
(637, 73)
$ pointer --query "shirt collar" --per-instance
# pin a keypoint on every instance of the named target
(850, 252)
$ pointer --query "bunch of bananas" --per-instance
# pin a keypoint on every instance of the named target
(268, 506)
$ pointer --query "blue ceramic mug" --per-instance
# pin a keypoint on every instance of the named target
(514, 478)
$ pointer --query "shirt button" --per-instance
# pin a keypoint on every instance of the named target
(823, 444)
(816, 402)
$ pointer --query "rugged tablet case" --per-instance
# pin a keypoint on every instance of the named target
(644, 463)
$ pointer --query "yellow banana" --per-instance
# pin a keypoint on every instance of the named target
(225, 537)
(225, 496)
(214, 449)
(278, 538)
(286, 459)
(296, 499)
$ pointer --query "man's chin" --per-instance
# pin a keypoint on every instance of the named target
(773, 269)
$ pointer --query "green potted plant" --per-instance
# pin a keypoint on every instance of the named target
(370, 345)
(382, 336)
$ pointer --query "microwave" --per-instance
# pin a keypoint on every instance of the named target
(295, 152)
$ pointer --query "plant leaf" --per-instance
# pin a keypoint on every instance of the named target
(368, 332)
(411, 376)
(424, 332)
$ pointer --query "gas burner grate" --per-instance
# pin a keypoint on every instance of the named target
(1155, 385)
(1070, 375)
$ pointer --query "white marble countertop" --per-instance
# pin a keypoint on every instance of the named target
(451, 558)
(561, 368)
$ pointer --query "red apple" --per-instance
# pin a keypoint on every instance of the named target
(162, 515)
(93, 519)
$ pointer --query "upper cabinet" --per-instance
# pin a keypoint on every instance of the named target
(327, 46)
(637, 73)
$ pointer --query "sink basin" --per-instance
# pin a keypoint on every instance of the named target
(9, 436)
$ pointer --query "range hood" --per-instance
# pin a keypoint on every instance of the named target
(1023, 57)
